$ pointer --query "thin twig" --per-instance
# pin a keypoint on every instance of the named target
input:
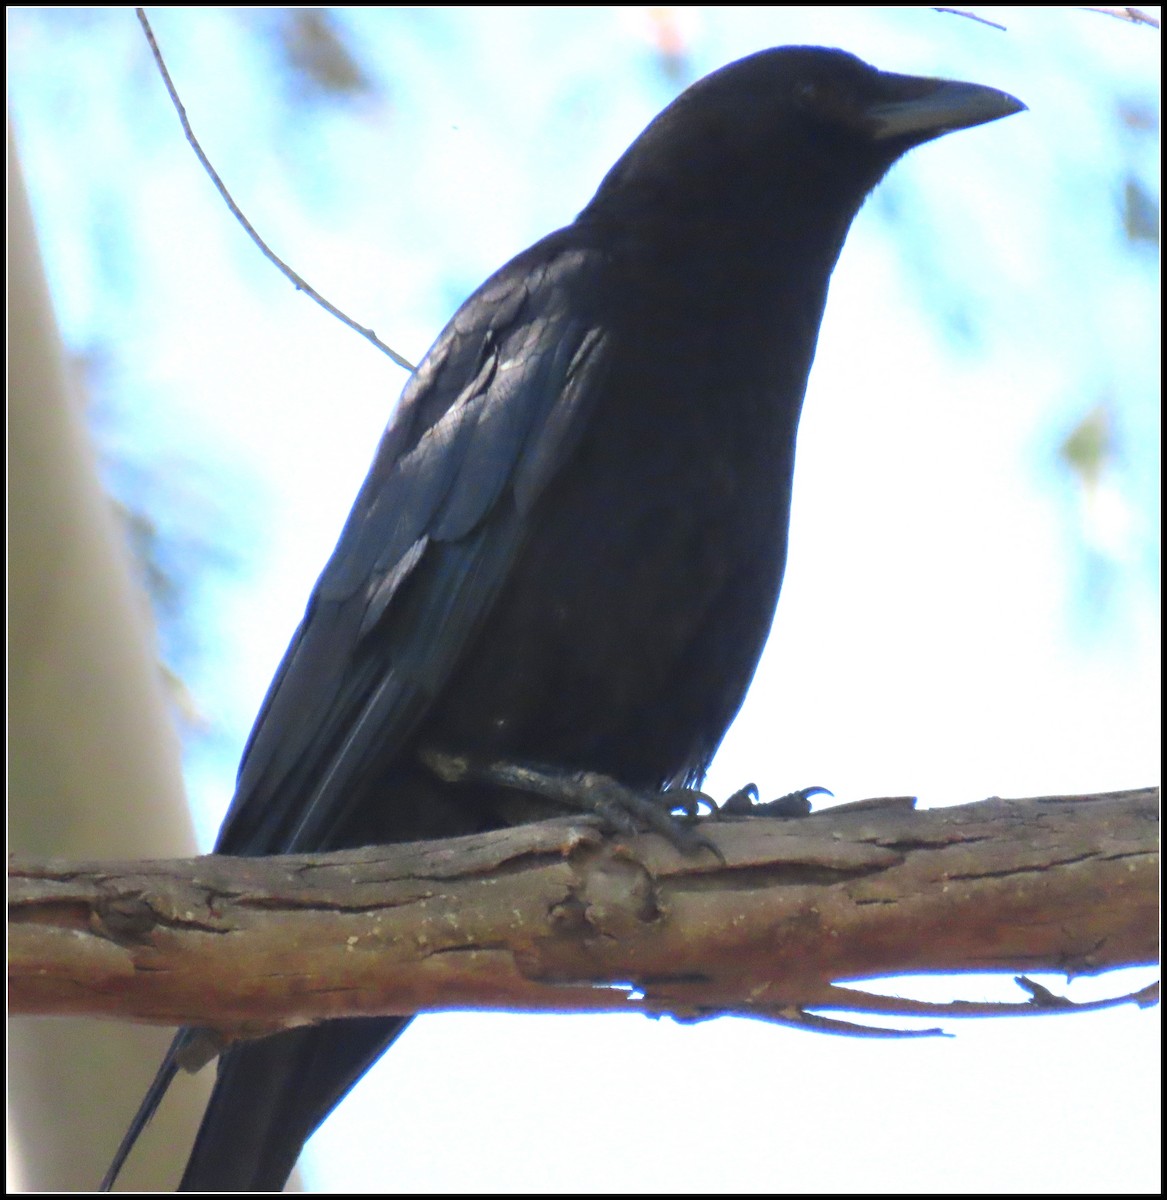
(972, 16)
(268, 253)
(1137, 16)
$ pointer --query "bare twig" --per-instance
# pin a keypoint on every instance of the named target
(970, 15)
(266, 250)
(1137, 16)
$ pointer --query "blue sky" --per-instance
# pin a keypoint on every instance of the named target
(964, 613)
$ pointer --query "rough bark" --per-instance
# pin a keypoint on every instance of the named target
(558, 917)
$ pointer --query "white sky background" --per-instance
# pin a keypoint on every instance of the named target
(961, 616)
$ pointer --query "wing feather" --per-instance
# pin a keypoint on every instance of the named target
(488, 419)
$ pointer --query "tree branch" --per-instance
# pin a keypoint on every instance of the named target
(557, 917)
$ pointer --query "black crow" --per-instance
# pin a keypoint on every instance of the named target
(569, 546)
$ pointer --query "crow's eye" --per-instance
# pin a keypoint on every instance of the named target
(807, 94)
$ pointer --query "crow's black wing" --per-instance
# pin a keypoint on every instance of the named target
(491, 414)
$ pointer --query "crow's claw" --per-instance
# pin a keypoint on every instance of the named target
(744, 803)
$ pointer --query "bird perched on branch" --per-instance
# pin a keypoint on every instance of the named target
(569, 546)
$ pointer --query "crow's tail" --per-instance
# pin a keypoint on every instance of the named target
(270, 1096)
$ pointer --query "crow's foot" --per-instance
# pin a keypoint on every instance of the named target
(621, 808)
